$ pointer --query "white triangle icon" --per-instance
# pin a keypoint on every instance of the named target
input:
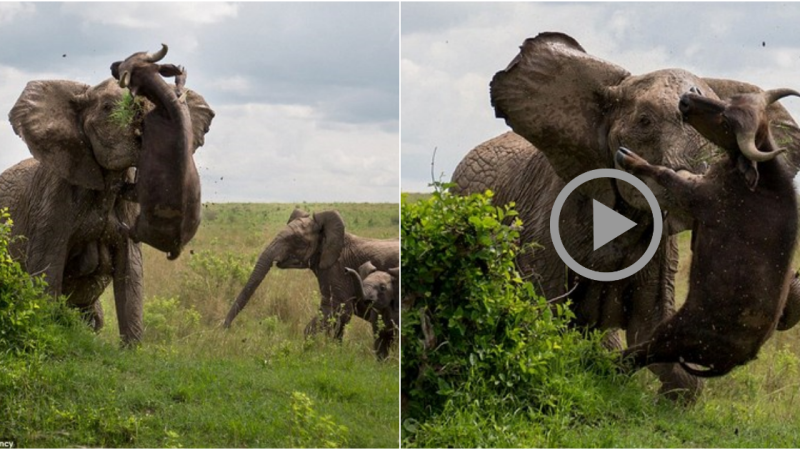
(608, 224)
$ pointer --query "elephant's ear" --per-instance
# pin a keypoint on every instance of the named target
(365, 269)
(554, 95)
(332, 230)
(47, 118)
(297, 214)
(783, 128)
(201, 115)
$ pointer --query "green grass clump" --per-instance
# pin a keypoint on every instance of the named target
(127, 110)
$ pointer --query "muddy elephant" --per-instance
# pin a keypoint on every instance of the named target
(378, 300)
(67, 201)
(570, 111)
(319, 242)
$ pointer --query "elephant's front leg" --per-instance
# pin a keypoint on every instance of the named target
(128, 295)
(791, 312)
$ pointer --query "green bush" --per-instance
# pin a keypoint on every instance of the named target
(473, 331)
(27, 313)
(217, 272)
(310, 429)
(166, 320)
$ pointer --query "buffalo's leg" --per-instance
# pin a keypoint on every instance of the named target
(652, 303)
(682, 185)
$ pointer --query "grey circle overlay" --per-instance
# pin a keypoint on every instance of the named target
(658, 224)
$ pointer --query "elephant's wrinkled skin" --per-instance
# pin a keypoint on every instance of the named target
(576, 110)
(319, 242)
(743, 238)
(168, 194)
(378, 299)
(68, 202)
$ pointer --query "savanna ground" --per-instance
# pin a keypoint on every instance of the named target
(193, 384)
(754, 406)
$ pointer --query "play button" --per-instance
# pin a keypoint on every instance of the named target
(608, 224)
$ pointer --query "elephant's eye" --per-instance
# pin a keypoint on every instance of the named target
(645, 121)
(383, 288)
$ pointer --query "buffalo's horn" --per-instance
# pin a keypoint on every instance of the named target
(747, 145)
(125, 79)
(774, 95)
(157, 56)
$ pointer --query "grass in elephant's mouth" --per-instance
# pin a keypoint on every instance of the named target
(126, 111)
(193, 384)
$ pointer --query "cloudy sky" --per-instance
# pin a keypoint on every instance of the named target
(450, 51)
(306, 95)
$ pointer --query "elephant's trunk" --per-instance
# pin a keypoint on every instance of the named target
(358, 286)
(270, 255)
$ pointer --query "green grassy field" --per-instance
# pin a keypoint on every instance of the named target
(754, 406)
(192, 384)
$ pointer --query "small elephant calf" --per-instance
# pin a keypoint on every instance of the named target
(745, 227)
(378, 300)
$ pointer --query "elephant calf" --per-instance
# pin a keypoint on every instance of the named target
(744, 233)
(320, 243)
(378, 300)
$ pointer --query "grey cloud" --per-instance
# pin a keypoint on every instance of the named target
(445, 44)
(283, 77)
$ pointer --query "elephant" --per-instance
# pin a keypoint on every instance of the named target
(168, 194)
(378, 296)
(68, 200)
(569, 112)
(741, 269)
(319, 242)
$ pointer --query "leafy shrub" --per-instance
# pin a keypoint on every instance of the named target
(211, 280)
(28, 315)
(167, 320)
(105, 426)
(309, 429)
(218, 272)
(473, 330)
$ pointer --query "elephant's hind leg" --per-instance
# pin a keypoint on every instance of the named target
(84, 294)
